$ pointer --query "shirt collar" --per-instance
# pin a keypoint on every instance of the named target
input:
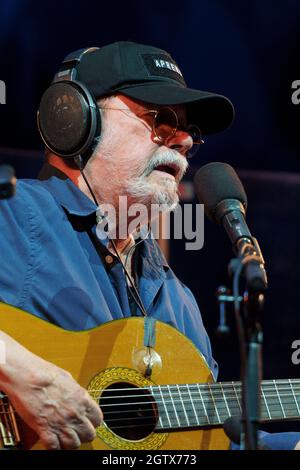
(65, 192)
(152, 252)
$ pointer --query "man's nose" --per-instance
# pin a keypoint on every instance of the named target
(180, 141)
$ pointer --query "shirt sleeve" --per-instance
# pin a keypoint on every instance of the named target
(275, 441)
(279, 440)
(17, 248)
(197, 332)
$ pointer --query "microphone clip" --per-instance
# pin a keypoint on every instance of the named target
(223, 298)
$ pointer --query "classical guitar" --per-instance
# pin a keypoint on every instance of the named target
(159, 397)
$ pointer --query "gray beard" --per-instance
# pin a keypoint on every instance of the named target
(144, 191)
(165, 194)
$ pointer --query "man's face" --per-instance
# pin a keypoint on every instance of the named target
(130, 161)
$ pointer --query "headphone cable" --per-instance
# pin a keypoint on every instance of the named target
(134, 292)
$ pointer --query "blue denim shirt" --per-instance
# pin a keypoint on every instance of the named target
(53, 265)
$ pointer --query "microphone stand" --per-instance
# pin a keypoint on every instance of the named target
(253, 372)
(250, 263)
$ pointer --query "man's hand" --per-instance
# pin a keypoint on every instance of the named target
(49, 400)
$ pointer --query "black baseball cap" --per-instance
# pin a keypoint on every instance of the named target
(151, 75)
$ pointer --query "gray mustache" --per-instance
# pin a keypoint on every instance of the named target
(169, 157)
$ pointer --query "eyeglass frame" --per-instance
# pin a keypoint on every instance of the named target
(154, 130)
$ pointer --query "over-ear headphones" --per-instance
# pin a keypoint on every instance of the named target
(68, 118)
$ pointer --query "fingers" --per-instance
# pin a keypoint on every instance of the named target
(61, 412)
(69, 439)
(86, 431)
(50, 441)
(75, 431)
(72, 438)
(94, 413)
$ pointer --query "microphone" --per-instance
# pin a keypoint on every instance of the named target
(219, 188)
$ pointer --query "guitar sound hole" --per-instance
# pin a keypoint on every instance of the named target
(130, 412)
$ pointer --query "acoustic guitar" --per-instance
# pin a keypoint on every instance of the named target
(158, 397)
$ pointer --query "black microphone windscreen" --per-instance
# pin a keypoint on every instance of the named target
(216, 182)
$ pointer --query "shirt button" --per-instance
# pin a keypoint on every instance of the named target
(109, 259)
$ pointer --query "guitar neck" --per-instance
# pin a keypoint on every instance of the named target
(206, 405)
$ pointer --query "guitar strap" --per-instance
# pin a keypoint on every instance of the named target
(149, 332)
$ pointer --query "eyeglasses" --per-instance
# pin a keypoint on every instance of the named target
(165, 124)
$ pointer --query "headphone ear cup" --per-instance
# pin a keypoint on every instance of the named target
(69, 119)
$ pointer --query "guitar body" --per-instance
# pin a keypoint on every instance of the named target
(114, 353)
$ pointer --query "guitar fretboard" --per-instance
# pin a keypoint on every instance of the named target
(202, 405)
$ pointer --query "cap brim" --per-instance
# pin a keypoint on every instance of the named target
(210, 112)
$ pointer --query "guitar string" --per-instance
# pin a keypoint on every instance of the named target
(188, 400)
(203, 392)
(218, 386)
(181, 396)
(174, 425)
(279, 382)
(178, 418)
(207, 405)
(180, 399)
(289, 407)
(217, 389)
(170, 426)
(219, 396)
(167, 402)
(213, 418)
(179, 424)
(273, 395)
(175, 393)
(272, 414)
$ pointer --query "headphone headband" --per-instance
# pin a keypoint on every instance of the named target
(67, 70)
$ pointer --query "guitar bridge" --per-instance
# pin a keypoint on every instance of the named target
(9, 433)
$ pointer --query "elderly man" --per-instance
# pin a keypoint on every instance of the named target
(116, 121)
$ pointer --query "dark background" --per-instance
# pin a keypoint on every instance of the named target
(248, 51)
